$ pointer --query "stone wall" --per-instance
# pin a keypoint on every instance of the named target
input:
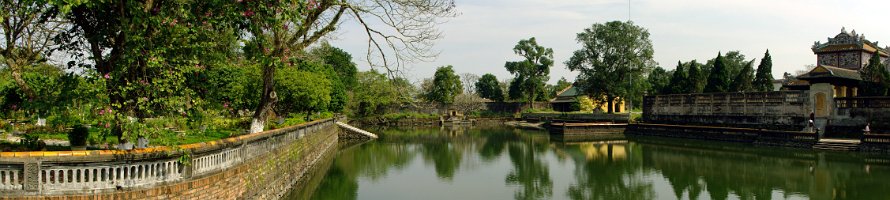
(741, 135)
(576, 117)
(256, 166)
(779, 110)
(853, 113)
(437, 108)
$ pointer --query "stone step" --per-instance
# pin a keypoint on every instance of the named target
(836, 146)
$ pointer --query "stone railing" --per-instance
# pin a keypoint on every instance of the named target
(82, 172)
(785, 110)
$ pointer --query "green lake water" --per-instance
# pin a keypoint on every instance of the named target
(506, 163)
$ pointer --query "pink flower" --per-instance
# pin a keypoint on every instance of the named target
(107, 76)
(101, 112)
(247, 13)
(107, 124)
(226, 105)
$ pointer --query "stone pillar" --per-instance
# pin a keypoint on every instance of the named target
(843, 92)
(31, 182)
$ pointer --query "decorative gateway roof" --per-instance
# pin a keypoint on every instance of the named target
(848, 42)
(830, 72)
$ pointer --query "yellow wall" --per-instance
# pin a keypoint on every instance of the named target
(605, 105)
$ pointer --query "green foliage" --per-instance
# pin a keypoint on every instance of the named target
(531, 73)
(735, 62)
(78, 136)
(719, 79)
(487, 87)
(340, 60)
(763, 80)
(875, 77)
(445, 86)
(696, 78)
(302, 91)
(32, 142)
(659, 81)
(679, 80)
(612, 61)
(377, 90)
(743, 81)
(231, 86)
(586, 104)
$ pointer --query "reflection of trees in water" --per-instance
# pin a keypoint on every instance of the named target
(371, 160)
(609, 176)
(445, 157)
(752, 173)
(529, 171)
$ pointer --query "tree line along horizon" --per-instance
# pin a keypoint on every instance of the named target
(114, 65)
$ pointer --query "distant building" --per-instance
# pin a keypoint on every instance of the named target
(838, 63)
(567, 101)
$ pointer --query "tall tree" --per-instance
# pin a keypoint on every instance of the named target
(763, 80)
(613, 58)
(719, 79)
(445, 86)
(531, 73)
(696, 77)
(734, 61)
(678, 83)
(28, 28)
(875, 78)
(281, 30)
(468, 80)
(489, 88)
(659, 81)
(743, 81)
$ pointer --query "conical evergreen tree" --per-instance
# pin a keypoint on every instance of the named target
(743, 81)
(695, 81)
(718, 81)
(763, 80)
(874, 77)
(678, 80)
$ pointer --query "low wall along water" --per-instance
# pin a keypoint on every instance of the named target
(263, 165)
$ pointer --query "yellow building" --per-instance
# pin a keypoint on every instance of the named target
(567, 101)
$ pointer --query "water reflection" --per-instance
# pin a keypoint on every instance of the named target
(499, 163)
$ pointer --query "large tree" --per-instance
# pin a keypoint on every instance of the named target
(678, 82)
(659, 81)
(696, 78)
(613, 58)
(279, 30)
(468, 80)
(743, 80)
(489, 88)
(531, 73)
(719, 80)
(28, 28)
(875, 78)
(763, 79)
(445, 86)
(147, 50)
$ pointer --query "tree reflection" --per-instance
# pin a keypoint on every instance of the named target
(529, 171)
(608, 173)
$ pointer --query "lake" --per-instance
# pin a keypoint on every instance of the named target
(507, 163)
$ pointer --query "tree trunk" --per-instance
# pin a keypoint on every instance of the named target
(610, 103)
(266, 101)
(17, 76)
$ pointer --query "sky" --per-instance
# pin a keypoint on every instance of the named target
(480, 40)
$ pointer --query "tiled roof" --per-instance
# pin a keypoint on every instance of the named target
(825, 71)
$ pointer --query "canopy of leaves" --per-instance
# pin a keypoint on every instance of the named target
(377, 90)
(613, 58)
(719, 79)
(659, 81)
(763, 79)
(445, 86)
(743, 81)
(487, 87)
(302, 91)
(875, 78)
(531, 73)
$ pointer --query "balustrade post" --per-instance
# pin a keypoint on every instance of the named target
(31, 182)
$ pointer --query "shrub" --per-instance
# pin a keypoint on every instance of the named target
(78, 136)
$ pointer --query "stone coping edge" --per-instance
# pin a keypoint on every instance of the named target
(718, 127)
(151, 152)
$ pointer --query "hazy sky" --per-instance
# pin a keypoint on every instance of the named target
(481, 38)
